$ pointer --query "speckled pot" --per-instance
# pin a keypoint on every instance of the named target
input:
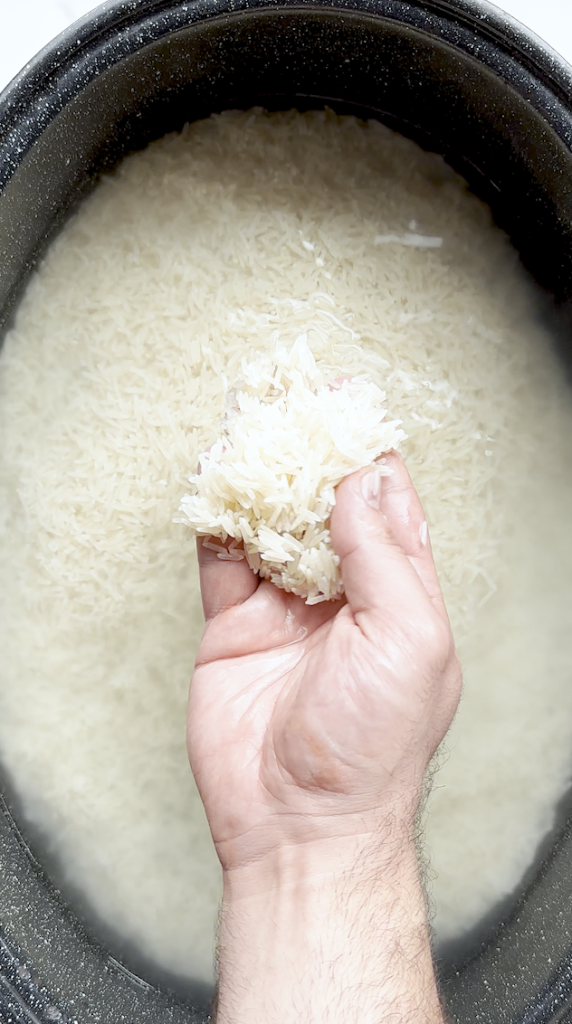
(461, 79)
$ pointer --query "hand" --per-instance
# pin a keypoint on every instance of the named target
(310, 721)
(310, 727)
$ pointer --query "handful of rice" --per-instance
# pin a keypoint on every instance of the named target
(287, 439)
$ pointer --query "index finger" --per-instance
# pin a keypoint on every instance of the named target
(379, 531)
(402, 508)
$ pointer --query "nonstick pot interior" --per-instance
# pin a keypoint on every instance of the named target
(458, 78)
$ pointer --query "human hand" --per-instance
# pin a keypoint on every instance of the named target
(310, 729)
(315, 722)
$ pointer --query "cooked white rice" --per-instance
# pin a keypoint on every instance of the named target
(185, 263)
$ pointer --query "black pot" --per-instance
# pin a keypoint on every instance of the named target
(461, 79)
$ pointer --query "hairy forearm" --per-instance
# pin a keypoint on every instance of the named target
(334, 935)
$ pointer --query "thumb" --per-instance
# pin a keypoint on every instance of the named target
(379, 532)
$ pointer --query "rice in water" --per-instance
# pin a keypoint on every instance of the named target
(210, 247)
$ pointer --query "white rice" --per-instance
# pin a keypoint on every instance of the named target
(180, 267)
(288, 439)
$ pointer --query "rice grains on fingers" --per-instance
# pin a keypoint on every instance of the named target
(225, 582)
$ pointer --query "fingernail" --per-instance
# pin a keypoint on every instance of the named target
(423, 531)
(371, 488)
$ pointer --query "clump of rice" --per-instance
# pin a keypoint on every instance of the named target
(288, 438)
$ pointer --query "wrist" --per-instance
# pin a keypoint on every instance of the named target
(309, 840)
(315, 864)
(328, 925)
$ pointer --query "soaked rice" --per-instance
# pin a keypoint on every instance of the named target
(198, 252)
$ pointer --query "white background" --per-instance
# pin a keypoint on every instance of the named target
(27, 25)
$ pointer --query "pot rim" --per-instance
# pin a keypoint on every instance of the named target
(115, 17)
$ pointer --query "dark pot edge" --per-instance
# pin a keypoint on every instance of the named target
(117, 16)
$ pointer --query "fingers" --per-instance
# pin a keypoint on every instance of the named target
(400, 504)
(224, 584)
(378, 531)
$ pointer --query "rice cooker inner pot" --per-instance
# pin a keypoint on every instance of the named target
(458, 77)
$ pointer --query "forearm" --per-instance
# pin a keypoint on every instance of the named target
(336, 936)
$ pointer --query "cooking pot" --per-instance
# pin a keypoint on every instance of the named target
(461, 79)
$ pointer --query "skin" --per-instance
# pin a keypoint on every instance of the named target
(310, 731)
